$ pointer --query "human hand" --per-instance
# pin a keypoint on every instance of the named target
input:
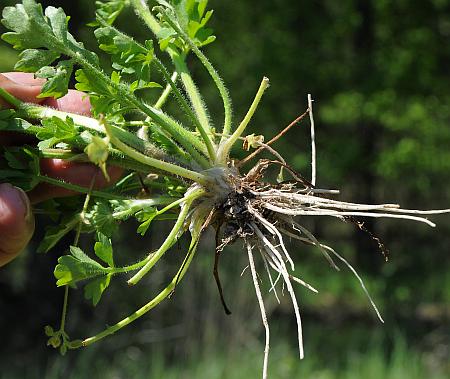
(16, 218)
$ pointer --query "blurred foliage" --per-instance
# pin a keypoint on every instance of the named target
(137, 364)
(378, 71)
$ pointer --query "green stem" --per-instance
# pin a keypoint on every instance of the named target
(201, 122)
(142, 10)
(39, 112)
(125, 269)
(177, 202)
(212, 72)
(135, 266)
(171, 238)
(116, 158)
(161, 165)
(14, 101)
(149, 183)
(83, 212)
(35, 111)
(64, 309)
(226, 146)
(191, 143)
(165, 95)
(202, 118)
(151, 304)
(75, 188)
(137, 205)
(152, 23)
(132, 123)
(75, 243)
(139, 144)
(67, 155)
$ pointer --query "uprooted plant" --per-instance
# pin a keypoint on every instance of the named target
(178, 170)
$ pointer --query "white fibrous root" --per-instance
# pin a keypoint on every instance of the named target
(263, 215)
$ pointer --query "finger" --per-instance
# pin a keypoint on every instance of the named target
(73, 102)
(20, 86)
(25, 87)
(16, 222)
(80, 174)
(24, 78)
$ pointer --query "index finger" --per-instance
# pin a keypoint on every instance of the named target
(26, 87)
(21, 85)
(24, 78)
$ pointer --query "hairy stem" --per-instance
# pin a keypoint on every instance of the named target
(199, 106)
(165, 95)
(143, 11)
(151, 304)
(75, 188)
(200, 119)
(201, 112)
(212, 72)
(171, 238)
(152, 162)
(226, 146)
(191, 143)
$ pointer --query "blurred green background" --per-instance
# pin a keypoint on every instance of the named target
(379, 74)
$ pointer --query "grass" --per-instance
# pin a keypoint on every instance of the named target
(132, 362)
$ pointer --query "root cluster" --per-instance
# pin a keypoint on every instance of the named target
(262, 215)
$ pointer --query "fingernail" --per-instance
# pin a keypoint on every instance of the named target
(26, 203)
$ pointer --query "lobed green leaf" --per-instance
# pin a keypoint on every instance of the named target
(58, 78)
(100, 218)
(31, 60)
(55, 130)
(128, 56)
(146, 217)
(75, 267)
(103, 249)
(192, 17)
(94, 290)
(55, 233)
(44, 38)
(20, 167)
(109, 10)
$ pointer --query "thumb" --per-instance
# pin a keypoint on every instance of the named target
(16, 222)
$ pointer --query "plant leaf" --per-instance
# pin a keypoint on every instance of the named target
(57, 79)
(31, 60)
(128, 56)
(24, 164)
(109, 10)
(94, 290)
(147, 217)
(75, 267)
(103, 249)
(32, 30)
(101, 219)
(55, 130)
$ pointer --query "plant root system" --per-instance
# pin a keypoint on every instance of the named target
(262, 215)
